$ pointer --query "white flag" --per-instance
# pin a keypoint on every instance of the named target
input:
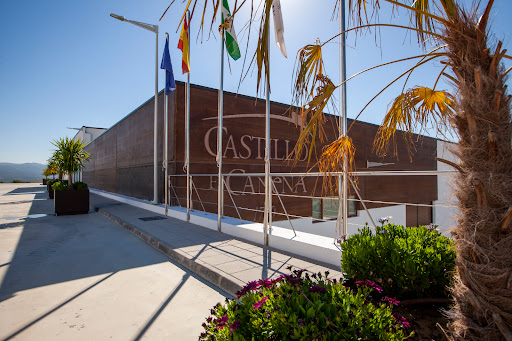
(279, 26)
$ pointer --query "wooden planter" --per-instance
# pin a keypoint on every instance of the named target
(50, 193)
(45, 181)
(71, 202)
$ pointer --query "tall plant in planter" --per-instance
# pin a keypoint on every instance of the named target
(70, 156)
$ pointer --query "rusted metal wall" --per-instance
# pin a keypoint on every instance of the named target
(122, 158)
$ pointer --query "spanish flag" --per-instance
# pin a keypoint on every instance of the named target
(184, 46)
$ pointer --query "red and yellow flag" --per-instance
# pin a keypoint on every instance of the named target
(184, 46)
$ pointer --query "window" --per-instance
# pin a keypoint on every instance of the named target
(327, 208)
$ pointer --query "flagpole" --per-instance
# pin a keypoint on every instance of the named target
(343, 185)
(155, 128)
(220, 126)
(187, 126)
(166, 144)
(268, 194)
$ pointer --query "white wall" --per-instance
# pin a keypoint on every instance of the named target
(327, 229)
(445, 217)
(88, 134)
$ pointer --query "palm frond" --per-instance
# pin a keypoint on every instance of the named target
(359, 9)
(312, 113)
(423, 22)
(333, 158)
(310, 66)
(262, 49)
(418, 108)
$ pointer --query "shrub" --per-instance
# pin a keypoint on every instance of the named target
(408, 262)
(304, 307)
(79, 185)
(60, 185)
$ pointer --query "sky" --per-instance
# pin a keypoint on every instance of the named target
(68, 64)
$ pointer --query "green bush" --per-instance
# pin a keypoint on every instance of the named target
(60, 185)
(15, 181)
(301, 306)
(408, 262)
(79, 185)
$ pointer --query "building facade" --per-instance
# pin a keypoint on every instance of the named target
(122, 162)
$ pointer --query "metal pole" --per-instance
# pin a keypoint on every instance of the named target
(166, 142)
(155, 128)
(343, 180)
(267, 215)
(187, 127)
(220, 190)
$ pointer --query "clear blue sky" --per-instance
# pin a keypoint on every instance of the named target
(68, 63)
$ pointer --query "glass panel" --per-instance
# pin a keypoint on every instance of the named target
(330, 209)
(316, 208)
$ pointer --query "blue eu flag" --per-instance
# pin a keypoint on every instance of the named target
(170, 85)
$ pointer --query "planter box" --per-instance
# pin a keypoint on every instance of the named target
(45, 181)
(71, 202)
(50, 193)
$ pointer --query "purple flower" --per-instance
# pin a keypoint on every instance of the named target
(432, 227)
(370, 284)
(258, 304)
(278, 279)
(402, 321)
(234, 326)
(390, 300)
(221, 322)
(265, 283)
(341, 238)
(248, 287)
(317, 288)
(384, 220)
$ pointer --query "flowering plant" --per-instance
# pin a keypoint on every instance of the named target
(305, 306)
(384, 220)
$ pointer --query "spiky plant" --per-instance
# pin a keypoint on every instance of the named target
(478, 110)
(69, 156)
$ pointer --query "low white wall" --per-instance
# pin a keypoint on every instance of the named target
(315, 247)
(445, 217)
(328, 228)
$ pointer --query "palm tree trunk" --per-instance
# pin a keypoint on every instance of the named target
(482, 287)
(70, 181)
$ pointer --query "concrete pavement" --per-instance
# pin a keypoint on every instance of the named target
(82, 277)
(223, 260)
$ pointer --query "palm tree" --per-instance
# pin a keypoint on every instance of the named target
(479, 113)
(69, 156)
(477, 110)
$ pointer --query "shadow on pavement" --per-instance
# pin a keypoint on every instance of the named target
(54, 249)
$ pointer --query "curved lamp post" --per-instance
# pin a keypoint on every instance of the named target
(154, 29)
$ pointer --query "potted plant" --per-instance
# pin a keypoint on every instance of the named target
(70, 198)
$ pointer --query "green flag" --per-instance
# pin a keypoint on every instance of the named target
(229, 33)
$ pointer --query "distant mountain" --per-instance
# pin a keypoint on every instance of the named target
(21, 171)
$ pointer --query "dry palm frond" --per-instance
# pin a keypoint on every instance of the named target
(359, 9)
(423, 22)
(333, 158)
(312, 113)
(262, 49)
(419, 107)
(310, 66)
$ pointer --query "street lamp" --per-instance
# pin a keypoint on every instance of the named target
(154, 29)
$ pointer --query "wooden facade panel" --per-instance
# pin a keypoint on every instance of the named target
(243, 151)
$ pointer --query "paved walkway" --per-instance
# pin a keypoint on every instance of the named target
(226, 262)
(84, 278)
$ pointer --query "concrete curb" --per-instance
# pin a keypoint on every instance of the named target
(204, 272)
